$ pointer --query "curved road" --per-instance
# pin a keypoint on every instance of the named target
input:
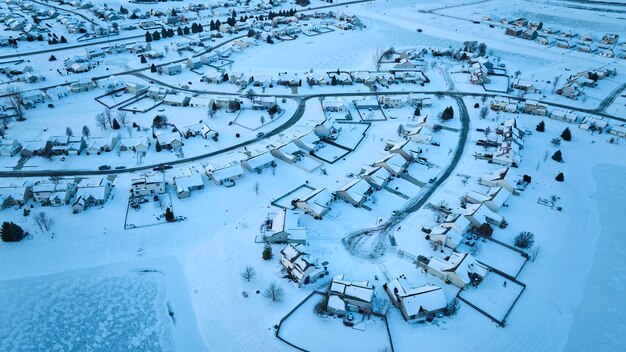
(353, 241)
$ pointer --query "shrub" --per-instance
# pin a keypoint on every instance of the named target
(560, 177)
(267, 252)
(541, 127)
(567, 134)
(525, 239)
(557, 156)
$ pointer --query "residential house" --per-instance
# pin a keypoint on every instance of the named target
(533, 107)
(199, 129)
(91, 193)
(394, 163)
(259, 162)
(50, 193)
(417, 304)
(494, 199)
(479, 214)
(173, 69)
(149, 184)
(355, 192)
(176, 100)
(316, 203)
(9, 147)
(283, 226)
(225, 176)
(619, 131)
(349, 296)
(377, 177)
(299, 266)
(499, 178)
(188, 181)
(459, 269)
(15, 192)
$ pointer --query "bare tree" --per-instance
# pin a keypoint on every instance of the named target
(248, 274)
(453, 307)
(274, 292)
(484, 111)
(122, 118)
(256, 188)
(441, 211)
(536, 252)
(14, 95)
(43, 221)
(108, 114)
(101, 121)
(486, 131)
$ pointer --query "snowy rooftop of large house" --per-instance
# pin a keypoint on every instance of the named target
(351, 289)
(260, 160)
(227, 172)
(415, 300)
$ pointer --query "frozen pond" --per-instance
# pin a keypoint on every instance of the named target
(600, 320)
(101, 309)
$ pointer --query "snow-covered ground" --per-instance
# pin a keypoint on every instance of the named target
(90, 284)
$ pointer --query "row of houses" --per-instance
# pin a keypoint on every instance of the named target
(81, 194)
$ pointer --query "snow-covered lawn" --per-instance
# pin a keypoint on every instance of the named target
(311, 332)
(493, 296)
(497, 256)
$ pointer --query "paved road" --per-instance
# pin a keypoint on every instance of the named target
(377, 239)
(292, 120)
(606, 102)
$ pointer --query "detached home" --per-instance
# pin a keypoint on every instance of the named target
(416, 304)
(299, 266)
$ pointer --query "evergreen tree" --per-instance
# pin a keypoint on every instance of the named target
(163, 33)
(170, 33)
(153, 68)
(267, 252)
(169, 215)
(156, 35)
(269, 40)
(212, 25)
(63, 40)
(416, 112)
(179, 31)
(11, 232)
(560, 177)
(557, 156)
(200, 28)
(143, 59)
(52, 58)
(447, 114)
(541, 127)
(250, 33)
(148, 37)
(116, 125)
(567, 134)
(158, 147)
(186, 30)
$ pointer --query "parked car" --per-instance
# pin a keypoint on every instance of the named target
(104, 167)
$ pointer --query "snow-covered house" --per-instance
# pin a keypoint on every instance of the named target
(186, 182)
(619, 131)
(450, 233)
(15, 193)
(355, 192)
(289, 153)
(169, 140)
(176, 100)
(416, 304)
(225, 176)
(334, 104)
(349, 296)
(90, 193)
(377, 177)
(316, 203)
(460, 269)
(200, 102)
(479, 214)
(135, 144)
(394, 163)
(174, 69)
(258, 162)
(499, 178)
(405, 148)
(494, 199)
(565, 116)
(309, 142)
(83, 85)
(147, 185)
(299, 266)
(283, 226)
(9, 147)
(53, 193)
(199, 129)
